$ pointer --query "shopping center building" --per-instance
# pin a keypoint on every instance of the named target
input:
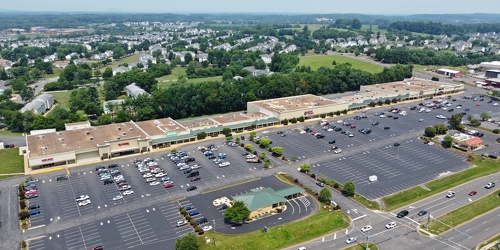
(82, 143)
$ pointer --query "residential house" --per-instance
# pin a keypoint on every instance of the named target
(6, 64)
(495, 51)
(40, 104)
(478, 49)
(71, 55)
(266, 58)
(134, 91)
(461, 53)
(257, 72)
(121, 69)
(113, 106)
(60, 64)
(145, 58)
(202, 57)
(442, 46)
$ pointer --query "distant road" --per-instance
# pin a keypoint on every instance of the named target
(38, 87)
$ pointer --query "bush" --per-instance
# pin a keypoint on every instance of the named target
(296, 181)
(302, 119)
(294, 120)
(192, 222)
(336, 185)
(23, 215)
(183, 210)
(496, 131)
(23, 244)
(188, 217)
(173, 151)
(201, 135)
(22, 204)
(322, 115)
(284, 122)
(313, 175)
(197, 228)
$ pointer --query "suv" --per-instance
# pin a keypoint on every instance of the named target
(61, 178)
(489, 185)
(191, 188)
(202, 220)
(450, 194)
(402, 214)
(112, 165)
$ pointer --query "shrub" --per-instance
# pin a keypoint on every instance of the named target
(322, 115)
(183, 210)
(313, 175)
(294, 120)
(296, 181)
(496, 131)
(173, 151)
(302, 119)
(336, 185)
(22, 204)
(23, 215)
(201, 135)
(188, 217)
(197, 228)
(284, 122)
(23, 244)
(192, 222)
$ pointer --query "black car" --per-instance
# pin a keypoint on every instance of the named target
(423, 212)
(202, 220)
(498, 139)
(112, 165)
(395, 118)
(321, 184)
(402, 214)
(450, 110)
(396, 144)
(466, 109)
(212, 157)
(389, 116)
(61, 178)
(187, 171)
(479, 134)
(279, 132)
(107, 181)
(223, 207)
(191, 188)
(320, 136)
(331, 142)
(387, 127)
(337, 129)
(33, 206)
(375, 123)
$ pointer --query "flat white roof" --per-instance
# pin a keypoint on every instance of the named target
(449, 70)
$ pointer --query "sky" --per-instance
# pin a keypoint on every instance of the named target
(384, 7)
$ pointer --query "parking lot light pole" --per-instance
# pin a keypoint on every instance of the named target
(214, 233)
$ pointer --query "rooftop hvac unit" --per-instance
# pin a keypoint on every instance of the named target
(119, 128)
(91, 138)
(88, 133)
(118, 138)
(124, 133)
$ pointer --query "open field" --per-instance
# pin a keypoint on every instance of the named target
(411, 195)
(12, 162)
(62, 98)
(280, 236)
(465, 213)
(317, 61)
(115, 63)
(422, 68)
(166, 81)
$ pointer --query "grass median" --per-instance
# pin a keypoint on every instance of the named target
(406, 197)
(465, 213)
(12, 162)
(362, 246)
(280, 236)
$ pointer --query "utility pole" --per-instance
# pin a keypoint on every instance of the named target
(428, 220)
(214, 233)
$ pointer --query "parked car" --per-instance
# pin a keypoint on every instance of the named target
(202, 220)
(61, 178)
(82, 198)
(33, 206)
(168, 185)
(191, 188)
(33, 212)
(181, 223)
(193, 213)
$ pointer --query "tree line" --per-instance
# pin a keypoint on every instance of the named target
(437, 28)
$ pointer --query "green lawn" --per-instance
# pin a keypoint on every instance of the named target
(10, 133)
(280, 236)
(404, 198)
(465, 213)
(115, 63)
(166, 81)
(12, 162)
(62, 98)
(318, 61)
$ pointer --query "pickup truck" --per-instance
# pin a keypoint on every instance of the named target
(253, 160)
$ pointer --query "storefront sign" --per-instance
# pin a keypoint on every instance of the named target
(123, 144)
(48, 159)
(309, 112)
(171, 133)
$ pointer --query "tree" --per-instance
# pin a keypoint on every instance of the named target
(430, 131)
(475, 123)
(226, 131)
(108, 73)
(201, 135)
(304, 168)
(92, 109)
(485, 116)
(278, 150)
(440, 129)
(27, 93)
(456, 121)
(448, 141)
(248, 147)
(349, 188)
(264, 142)
(104, 119)
(187, 242)
(325, 194)
(238, 213)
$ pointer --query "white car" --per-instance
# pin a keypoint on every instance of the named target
(303, 132)
(118, 197)
(382, 116)
(82, 198)
(339, 121)
(450, 194)
(185, 167)
(224, 164)
(441, 117)
(147, 175)
(350, 240)
(119, 177)
(495, 104)
(181, 223)
(391, 225)
(351, 135)
(421, 120)
(458, 107)
(84, 203)
(196, 166)
(207, 228)
(154, 183)
(330, 130)
(337, 151)
(366, 228)
(445, 108)
(127, 192)
(159, 175)
(151, 179)
(265, 132)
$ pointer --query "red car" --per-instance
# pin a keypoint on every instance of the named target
(121, 184)
(479, 104)
(168, 185)
(472, 193)
(353, 126)
(197, 178)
